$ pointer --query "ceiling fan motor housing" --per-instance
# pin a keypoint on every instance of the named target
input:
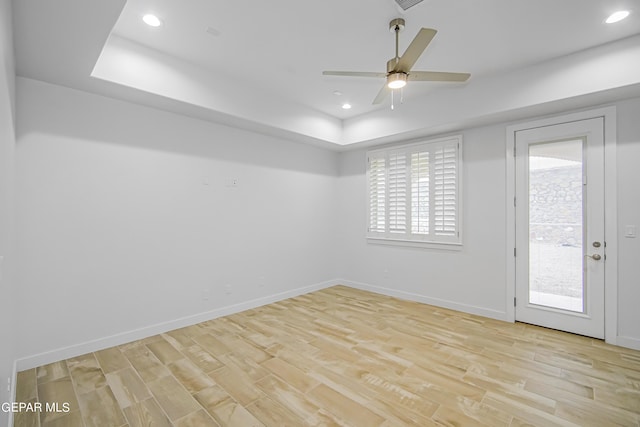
(391, 65)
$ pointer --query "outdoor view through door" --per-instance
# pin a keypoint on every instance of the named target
(555, 225)
(560, 242)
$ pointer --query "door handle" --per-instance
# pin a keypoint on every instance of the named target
(594, 257)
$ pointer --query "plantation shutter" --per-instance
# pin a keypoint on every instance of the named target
(445, 188)
(376, 178)
(397, 192)
(414, 192)
(420, 193)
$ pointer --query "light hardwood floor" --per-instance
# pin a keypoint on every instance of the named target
(344, 357)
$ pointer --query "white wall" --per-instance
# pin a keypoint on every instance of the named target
(7, 151)
(628, 214)
(474, 279)
(126, 219)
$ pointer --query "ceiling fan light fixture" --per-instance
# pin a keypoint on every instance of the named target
(396, 80)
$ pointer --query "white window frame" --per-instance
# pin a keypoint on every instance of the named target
(407, 238)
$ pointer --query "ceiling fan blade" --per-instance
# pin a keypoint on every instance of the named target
(415, 49)
(384, 92)
(353, 74)
(437, 76)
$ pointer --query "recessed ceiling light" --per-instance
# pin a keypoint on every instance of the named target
(617, 16)
(346, 106)
(152, 20)
(337, 93)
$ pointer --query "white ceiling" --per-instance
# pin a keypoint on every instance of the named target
(261, 63)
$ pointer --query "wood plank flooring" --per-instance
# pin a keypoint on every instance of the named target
(343, 357)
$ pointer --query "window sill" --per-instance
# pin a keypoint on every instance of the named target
(446, 246)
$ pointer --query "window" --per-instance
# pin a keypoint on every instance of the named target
(414, 192)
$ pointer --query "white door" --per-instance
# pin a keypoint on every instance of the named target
(560, 242)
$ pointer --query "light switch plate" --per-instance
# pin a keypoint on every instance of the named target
(630, 231)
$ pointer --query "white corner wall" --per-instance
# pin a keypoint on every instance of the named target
(473, 280)
(7, 155)
(129, 218)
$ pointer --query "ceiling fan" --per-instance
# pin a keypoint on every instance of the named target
(399, 67)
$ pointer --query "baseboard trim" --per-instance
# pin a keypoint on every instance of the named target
(34, 361)
(465, 308)
(125, 337)
(628, 342)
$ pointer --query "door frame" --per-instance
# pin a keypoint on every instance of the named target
(610, 211)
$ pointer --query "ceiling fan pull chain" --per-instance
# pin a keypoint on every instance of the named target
(392, 92)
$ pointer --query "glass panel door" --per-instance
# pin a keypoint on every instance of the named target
(556, 225)
(560, 246)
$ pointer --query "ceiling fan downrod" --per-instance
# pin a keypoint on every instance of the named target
(396, 25)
